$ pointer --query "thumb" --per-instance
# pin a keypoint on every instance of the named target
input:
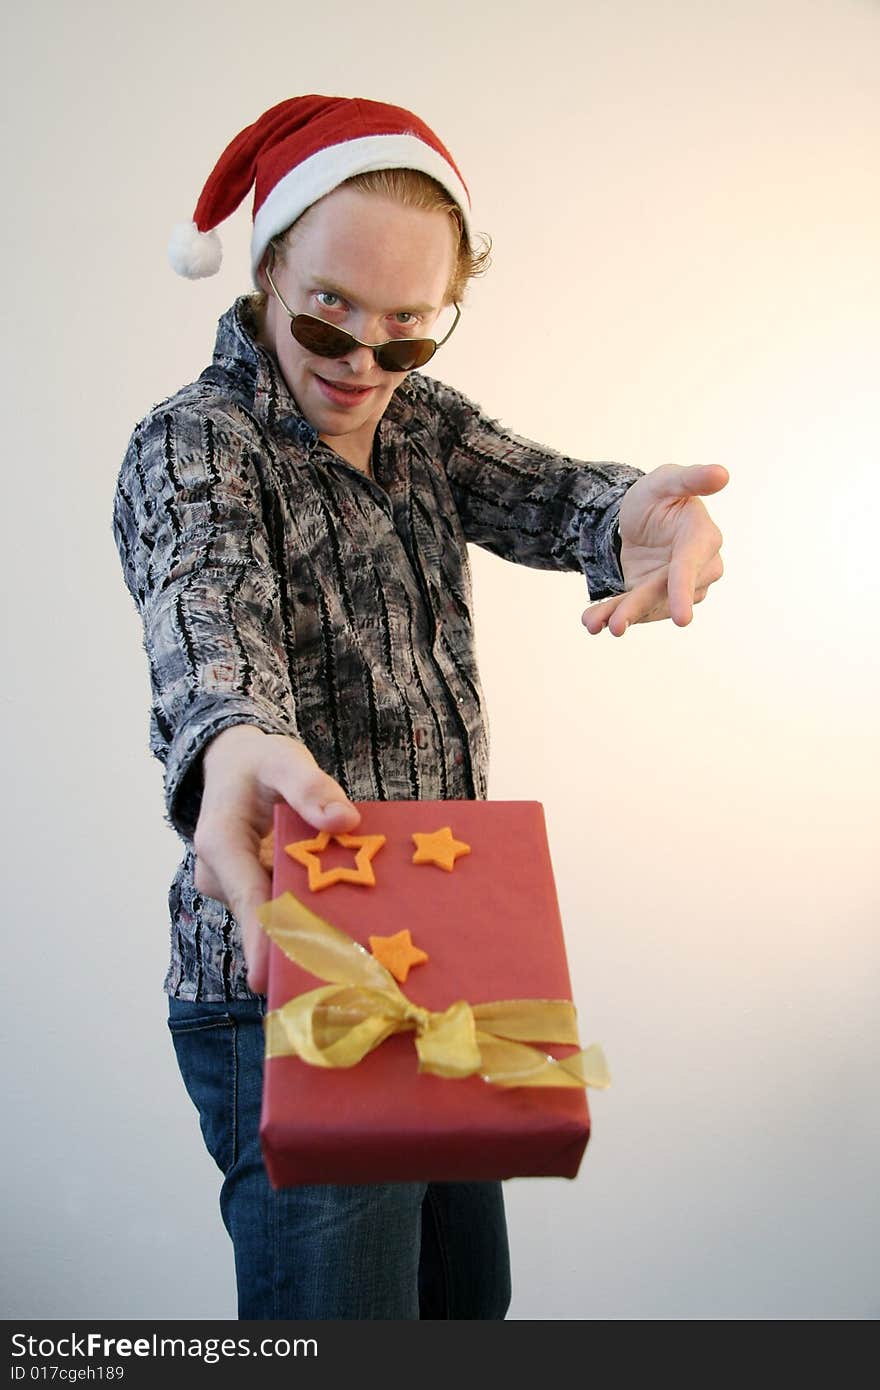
(324, 805)
(318, 798)
(699, 480)
(334, 815)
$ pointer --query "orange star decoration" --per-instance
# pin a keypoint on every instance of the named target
(397, 953)
(438, 848)
(267, 851)
(307, 852)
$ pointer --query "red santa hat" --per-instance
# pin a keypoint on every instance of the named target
(296, 153)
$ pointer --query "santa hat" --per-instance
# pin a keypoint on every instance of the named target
(294, 154)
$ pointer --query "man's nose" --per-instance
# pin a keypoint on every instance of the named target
(361, 360)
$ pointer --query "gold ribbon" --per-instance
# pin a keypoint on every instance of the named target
(337, 1024)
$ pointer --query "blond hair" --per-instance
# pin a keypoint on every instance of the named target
(413, 189)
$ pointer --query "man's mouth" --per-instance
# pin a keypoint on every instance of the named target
(343, 393)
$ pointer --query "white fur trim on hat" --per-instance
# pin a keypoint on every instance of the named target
(193, 253)
(328, 168)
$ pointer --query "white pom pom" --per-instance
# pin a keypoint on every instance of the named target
(193, 253)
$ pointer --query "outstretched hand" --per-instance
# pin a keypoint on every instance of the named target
(669, 550)
(245, 773)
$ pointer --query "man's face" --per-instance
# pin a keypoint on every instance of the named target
(375, 268)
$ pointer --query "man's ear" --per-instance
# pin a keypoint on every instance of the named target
(261, 271)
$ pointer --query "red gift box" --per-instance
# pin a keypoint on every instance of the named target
(492, 931)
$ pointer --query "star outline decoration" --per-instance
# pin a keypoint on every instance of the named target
(308, 853)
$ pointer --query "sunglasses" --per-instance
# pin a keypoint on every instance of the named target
(326, 340)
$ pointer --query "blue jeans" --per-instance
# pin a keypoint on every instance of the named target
(396, 1250)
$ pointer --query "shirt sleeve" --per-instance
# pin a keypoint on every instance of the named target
(531, 504)
(197, 555)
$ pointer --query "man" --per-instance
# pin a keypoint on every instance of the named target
(293, 528)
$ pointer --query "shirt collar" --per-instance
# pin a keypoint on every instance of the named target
(255, 370)
(238, 352)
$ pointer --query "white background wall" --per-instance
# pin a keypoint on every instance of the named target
(693, 188)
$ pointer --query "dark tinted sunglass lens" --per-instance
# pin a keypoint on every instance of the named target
(403, 356)
(323, 339)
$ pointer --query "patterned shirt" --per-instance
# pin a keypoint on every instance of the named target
(283, 588)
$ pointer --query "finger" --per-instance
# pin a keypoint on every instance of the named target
(688, 577)
(682, 585)
(713, 571)
(595, 618)
(228, 865)
(248, 886)
(622, 610)
(206, 881)
(228, 868)
(642, 604)
(256, 953)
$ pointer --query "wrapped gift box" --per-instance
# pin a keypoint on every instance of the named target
(492, 931)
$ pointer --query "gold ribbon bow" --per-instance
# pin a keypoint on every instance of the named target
(337, 1024)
